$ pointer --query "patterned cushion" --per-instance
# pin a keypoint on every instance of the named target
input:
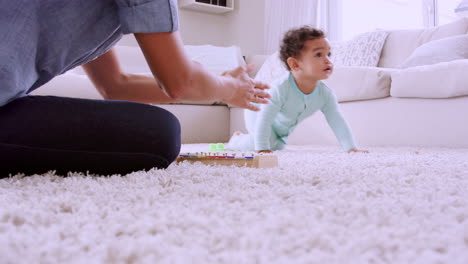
(362, 50)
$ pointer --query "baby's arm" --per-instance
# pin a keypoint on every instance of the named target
(264, 122)
(338, 124)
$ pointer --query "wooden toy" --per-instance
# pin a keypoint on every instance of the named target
(228, 159)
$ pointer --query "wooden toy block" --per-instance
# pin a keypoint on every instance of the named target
(254, 161)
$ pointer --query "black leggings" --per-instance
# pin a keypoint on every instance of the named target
(44, 133)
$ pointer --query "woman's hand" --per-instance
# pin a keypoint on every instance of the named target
(245, 89)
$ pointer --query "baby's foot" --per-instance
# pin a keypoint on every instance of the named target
(236, 141)
(234, 135)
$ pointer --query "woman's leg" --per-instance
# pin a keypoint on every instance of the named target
(43, 133)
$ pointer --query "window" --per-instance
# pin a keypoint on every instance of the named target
(359, 16)
(445, 11)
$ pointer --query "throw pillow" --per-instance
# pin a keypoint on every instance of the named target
(436, 51)
(362, 50)
(401, 43)
(441, 80)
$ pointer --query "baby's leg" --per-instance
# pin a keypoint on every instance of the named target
(276, 143)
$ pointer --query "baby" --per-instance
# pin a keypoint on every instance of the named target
(295, 96)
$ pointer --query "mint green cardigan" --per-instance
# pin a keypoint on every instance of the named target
(270, 127)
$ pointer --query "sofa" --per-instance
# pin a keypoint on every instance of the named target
(415, 94)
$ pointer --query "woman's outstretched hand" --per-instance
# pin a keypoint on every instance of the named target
(245, 89)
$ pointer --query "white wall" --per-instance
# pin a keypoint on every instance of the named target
(243, 27)
(247, 26)
(197, 28)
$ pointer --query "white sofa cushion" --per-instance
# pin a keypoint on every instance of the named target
(271, 69)
(215, 58)
(349, 83)
(256, 62)
(442, 80)
(401, 43)
(69, 84)
(362, 50)
(359, 83)
(442, 50)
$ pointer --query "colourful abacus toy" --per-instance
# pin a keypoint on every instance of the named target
(230, 158)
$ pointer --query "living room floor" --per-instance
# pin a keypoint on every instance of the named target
(320, 205)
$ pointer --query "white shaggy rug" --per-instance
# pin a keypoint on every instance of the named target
(319, 206)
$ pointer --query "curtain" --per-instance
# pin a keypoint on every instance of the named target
(329, 18)
(282, 15)
(463, 5)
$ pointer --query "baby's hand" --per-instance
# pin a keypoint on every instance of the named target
(264, 151)
(358, 150)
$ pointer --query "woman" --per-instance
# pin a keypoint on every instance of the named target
(43, 39)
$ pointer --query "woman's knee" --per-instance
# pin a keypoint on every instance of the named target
(164, 133)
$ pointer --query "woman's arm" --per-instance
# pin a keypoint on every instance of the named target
(112, 83)
(179, 78)
(183, 79)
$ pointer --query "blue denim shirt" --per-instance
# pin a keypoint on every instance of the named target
(43, 39)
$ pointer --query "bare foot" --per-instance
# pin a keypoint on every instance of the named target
(235, 134)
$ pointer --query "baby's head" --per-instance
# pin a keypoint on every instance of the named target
(306, 52)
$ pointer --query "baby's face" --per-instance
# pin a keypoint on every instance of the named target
(314, 61)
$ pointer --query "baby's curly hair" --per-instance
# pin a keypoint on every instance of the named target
(293, 42)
